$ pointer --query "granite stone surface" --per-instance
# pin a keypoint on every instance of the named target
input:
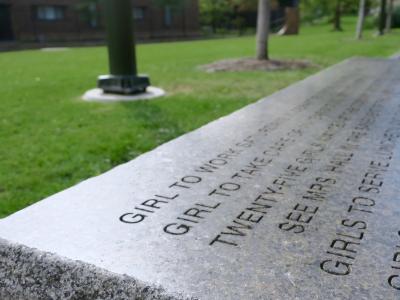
(294, 197)
(27, 273)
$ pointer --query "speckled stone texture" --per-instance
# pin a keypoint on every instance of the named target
(293, 197)
(27, 273)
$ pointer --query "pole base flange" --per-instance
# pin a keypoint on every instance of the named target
(123, 84)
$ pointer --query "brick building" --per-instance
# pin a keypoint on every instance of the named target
(81, 20)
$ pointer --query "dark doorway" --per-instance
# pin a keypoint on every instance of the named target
(6, 33)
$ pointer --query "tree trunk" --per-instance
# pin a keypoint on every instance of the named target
(292, 21)
(183, 18)
(361, 17)
(263, 21)
(389, 16)
(382, 18)
(337, 24)
(214, 18)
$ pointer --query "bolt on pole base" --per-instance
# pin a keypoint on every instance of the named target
(123, 84)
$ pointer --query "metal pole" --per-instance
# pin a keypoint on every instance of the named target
(123, 78)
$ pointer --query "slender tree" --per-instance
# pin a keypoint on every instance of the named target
(315, 9)
(361, 18)
(337, 18)
(382, 18)
(389, 16)
(263, 22)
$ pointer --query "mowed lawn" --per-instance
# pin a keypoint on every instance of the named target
(50, 139)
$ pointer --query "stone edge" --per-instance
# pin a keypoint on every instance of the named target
(27, 273)
(395, 56)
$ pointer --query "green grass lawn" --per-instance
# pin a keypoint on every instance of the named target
(50, 139)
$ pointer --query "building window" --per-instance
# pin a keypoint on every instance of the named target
(138, 13)
(168, 16)
(50, 13)
(92, 11)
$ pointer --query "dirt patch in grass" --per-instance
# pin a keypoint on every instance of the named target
(252, 64)
(180, 89)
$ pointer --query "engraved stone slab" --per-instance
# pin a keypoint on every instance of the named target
(293, 197)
